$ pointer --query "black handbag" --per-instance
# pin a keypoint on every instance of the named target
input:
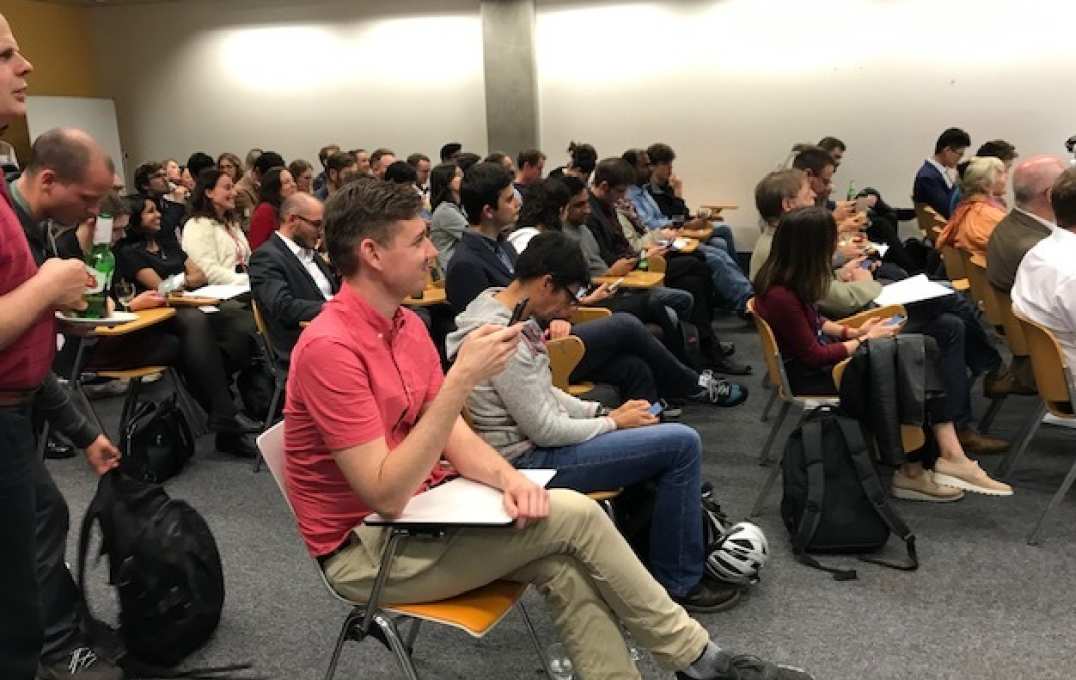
(156, 441)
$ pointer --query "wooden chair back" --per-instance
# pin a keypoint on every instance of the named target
(975, 269)
(954, 263)
(658, 264)
(1014, 330)
(930, 222)
(1052, 377)
(771, 354)
(564, 355)
(584, 314)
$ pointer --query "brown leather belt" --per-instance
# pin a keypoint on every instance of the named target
(14, 398)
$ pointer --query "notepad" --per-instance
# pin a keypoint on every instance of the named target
(221, 291)
(913, 289)
(459, 502)
(880, 248)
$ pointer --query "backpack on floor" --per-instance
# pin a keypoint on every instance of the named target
(164, 564)
(156, 441)
(833, 500)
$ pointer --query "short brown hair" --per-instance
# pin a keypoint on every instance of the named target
(801, 255)
(773, 189)
(1063, 199)
(365, 208)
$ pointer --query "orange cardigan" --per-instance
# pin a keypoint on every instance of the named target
(971, 225)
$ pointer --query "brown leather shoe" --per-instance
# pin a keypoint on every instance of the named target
(1002, 382)
(974, 442)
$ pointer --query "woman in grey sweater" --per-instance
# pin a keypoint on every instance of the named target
(448, 222)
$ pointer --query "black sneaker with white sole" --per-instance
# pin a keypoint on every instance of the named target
(746, 667)
(81, 664)
(720, 392)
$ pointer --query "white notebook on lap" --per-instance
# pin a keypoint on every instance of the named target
(460, 502)
(912, 289)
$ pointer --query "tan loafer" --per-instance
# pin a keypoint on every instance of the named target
(968, 476)
(923, 488)
(980, 444)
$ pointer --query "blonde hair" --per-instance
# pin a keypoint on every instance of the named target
(980, 175)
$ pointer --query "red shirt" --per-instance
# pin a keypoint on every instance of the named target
(262, 225)
(25, 362)
(798, 329)
(355, 377)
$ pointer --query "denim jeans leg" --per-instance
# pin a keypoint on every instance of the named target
(21, 618)
(723, 237)
(680, 301)
(669, 454)
(729, 280)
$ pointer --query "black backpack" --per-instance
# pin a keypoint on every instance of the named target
(156, 441)
(833, 500)
(164, 564)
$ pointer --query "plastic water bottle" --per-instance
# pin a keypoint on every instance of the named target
(560, 664)
(852, 190)
(101, 264)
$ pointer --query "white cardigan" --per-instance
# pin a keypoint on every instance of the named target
(212, 246)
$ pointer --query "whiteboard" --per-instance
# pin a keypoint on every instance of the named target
(95, 116)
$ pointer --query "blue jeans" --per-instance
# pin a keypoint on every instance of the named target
(723, 238)
(729, 280)
(680, 301)
(668, 454)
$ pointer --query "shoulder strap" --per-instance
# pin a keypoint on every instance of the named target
(876, 494)
(816, 493)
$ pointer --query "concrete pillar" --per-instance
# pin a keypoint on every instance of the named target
(511, 75)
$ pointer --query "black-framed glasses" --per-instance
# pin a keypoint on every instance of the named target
(314, 223)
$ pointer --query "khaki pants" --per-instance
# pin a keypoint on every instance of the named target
(576, 558)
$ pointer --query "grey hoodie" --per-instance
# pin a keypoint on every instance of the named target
(520, 409)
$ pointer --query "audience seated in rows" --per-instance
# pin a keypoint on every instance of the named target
(324, 153)
(995, 148)
(276, 186)
(358, 441)
(380, 160)
(935, 181)
(151, 180)
(289, 278)
(1046, 278)
(979, 211)
(530, 167)
(230, 165)
(303, 174)
(339, 169)
(582, 158)
(533, 424)
(790, 283)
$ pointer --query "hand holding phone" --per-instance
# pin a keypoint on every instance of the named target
(616, 284)
(895, 320)
(656, 408)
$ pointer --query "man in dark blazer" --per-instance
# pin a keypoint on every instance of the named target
(934, 183)
(290, 281)
(1028, 223)
(484, 258)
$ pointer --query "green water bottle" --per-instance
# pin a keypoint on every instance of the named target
(851, 190)
(644, 263)
(101, 263)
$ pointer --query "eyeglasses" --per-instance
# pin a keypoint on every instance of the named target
(314, 223)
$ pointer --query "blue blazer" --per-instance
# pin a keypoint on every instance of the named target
(474, 267)
(930, 188)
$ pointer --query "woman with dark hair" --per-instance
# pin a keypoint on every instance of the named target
(213, 237)
(211, 346)
(277, 184)
(789, 285)
(303, 174)
(448, 221)
(544, 205)
(230, 165)
(582, 158)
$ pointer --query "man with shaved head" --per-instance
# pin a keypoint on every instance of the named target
(40, 634)
(1026, 224)
(289, 279)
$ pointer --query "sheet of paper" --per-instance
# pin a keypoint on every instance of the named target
(912, 289)
(209, 309)
(1051, 419)
(881, 248)
(221, 292)
(460, 501)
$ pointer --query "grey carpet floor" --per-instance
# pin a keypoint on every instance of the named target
(983, 605)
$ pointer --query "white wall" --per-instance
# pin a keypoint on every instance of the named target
(216, 76)
(732, 84)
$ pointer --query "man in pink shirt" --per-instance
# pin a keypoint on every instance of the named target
(369, 416)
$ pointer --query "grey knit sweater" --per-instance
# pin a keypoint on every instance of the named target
(519, 409)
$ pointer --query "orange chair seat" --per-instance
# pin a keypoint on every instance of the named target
(474, 612)
(603, 496)
(580, 388)
(131, 373)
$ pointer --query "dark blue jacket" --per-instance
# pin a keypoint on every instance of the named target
(475, 267)
(930, 188)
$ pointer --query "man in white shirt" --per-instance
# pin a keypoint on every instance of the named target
(1045, 286)
(290, 281)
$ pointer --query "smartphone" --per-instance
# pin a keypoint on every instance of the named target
(517, 313)
(656, 408)
(895, 320)
(616, 284)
